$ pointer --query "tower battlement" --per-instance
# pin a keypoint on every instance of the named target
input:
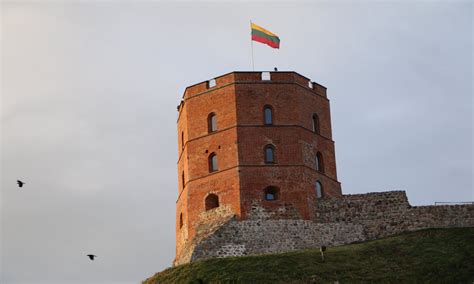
(236, 77)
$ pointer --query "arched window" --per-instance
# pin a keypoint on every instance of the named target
(182, 178)
(315, 123)
(319, 162)
(211, 122)
(267, 115)
(212, 201)
(319, 189)
(180, 220)
(269, 154)
(212, 162)
(271, 193)
(182, 140)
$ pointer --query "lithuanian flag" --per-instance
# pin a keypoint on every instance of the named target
(264, 36)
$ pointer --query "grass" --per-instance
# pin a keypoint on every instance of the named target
(426, 256)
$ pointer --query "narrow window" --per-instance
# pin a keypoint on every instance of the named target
(315, 123)
(271, 193)
(269, 155)
(268, 115)
(211, 83)
(212, 162)
(182, 140)
(211, 122)
(266, 76)
(180, 220)
(319, 189)
(182, 178)
(211, 202)
(319, 162)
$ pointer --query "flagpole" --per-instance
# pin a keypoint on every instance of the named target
(251, 45)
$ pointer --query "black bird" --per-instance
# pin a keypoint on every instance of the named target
(276, 69)
(91, 256)
(20, 183)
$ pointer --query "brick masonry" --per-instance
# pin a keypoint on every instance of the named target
(238, 100)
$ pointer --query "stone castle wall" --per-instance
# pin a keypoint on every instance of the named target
(337, 221)
(388, 213)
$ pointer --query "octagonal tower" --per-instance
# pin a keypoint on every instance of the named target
(252, 139)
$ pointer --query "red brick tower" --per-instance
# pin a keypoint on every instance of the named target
(249, 138)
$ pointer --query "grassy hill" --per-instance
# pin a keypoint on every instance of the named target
(433, 256)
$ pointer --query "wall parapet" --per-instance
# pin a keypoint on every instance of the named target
(252, 77)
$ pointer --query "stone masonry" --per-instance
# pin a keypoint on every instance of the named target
(352, 218)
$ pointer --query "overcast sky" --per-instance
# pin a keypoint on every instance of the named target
(88, 115)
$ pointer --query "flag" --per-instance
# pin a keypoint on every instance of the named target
(264, 36)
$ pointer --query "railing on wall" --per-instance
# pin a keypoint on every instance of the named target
(454, 203)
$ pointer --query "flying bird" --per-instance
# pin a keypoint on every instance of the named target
(20, 183)
(91, 256)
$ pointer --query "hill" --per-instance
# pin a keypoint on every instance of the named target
(433, 255)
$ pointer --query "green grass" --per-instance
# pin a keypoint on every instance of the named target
(427, 256)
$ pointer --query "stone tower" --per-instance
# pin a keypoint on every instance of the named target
(248, 140)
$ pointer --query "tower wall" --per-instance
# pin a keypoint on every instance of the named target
(193, 158)
(237, 100)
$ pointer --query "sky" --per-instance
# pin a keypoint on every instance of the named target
(89, 91)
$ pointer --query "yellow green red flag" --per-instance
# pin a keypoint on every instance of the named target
(264, 36)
